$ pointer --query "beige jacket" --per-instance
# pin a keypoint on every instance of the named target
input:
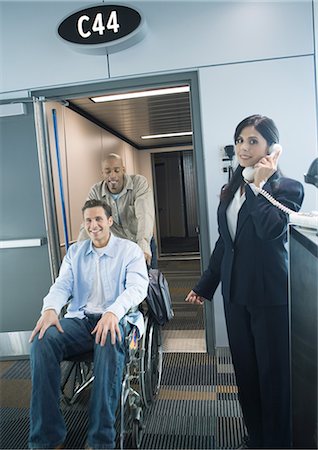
(134, 214)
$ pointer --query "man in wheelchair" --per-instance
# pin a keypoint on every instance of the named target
(106, 279)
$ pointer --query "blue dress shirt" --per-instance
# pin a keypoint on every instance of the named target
(125, 280)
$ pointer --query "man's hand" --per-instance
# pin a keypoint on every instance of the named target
(48, 319)
(147, 258)
(107, 323)
(194, 298)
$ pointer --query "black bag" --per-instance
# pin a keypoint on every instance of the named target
(158, 297)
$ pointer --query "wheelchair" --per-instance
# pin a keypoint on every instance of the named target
(140, 382)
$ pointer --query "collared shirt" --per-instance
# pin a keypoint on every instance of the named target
(233, 210)
(124, 280)
(133, 210)
(235, 206)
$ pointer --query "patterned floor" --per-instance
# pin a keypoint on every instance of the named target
(196, 408)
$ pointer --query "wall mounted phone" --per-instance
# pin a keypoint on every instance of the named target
(303, 219)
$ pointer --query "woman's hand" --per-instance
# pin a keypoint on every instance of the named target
(194, 298)
(266, 167)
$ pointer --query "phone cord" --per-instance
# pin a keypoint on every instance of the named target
(308, 220)
(274, 201)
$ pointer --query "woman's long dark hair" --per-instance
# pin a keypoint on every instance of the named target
(267, 128)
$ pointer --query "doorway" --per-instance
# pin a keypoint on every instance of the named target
(77, 100)
(176, 206)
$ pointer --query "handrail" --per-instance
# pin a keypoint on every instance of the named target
(20, 243)
(59, 169)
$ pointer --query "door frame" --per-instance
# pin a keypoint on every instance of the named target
(152, 81)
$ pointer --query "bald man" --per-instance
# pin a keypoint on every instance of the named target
(131, 201)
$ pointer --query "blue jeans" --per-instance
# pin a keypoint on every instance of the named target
(47, 426)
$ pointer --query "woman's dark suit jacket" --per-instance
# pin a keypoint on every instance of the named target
(253, 268)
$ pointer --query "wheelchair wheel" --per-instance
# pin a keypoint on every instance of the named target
(151, 361)
(75, 379)
(137, 432)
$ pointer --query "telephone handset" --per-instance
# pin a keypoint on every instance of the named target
(302, 219)
(248, 172)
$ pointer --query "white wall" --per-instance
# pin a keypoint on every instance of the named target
(180, 35)
(32, 55)
(188, 34)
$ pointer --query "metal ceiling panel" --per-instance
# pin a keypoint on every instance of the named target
(133, 118)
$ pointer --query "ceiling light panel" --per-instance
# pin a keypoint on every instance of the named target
(167, 135)
(141, 94)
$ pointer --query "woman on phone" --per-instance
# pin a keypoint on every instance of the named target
(250, 260)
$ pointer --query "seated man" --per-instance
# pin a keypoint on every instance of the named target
(105, 277)
(131, 201)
